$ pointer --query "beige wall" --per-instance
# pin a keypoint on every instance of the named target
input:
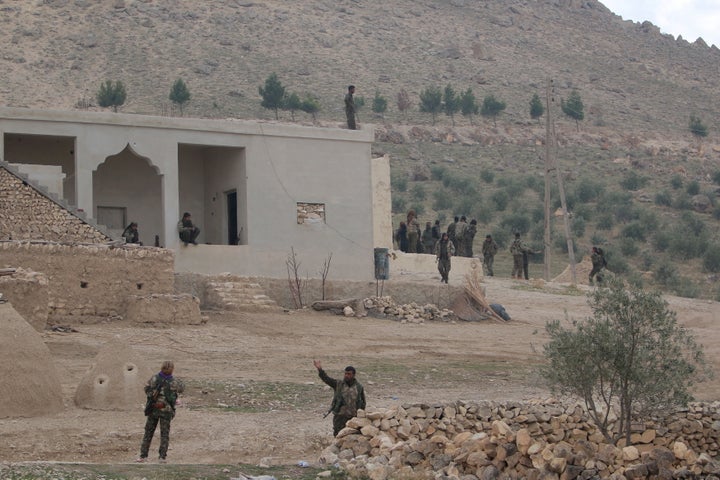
(382, 203)
(272, 166)
(93, 280)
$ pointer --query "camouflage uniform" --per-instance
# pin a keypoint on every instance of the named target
(427, 240)
(187, 232)
(517, 249)
(413, 235)
(459, 241)
(469, 238)
(489, 249)
(443, 251)
(163, 410)
(597, 257)
(348, 399)
(451, 231)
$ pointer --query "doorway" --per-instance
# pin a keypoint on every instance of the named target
(232, 223)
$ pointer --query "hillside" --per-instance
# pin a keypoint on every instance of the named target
(632, 169)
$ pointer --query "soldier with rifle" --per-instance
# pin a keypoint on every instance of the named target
(349, 396)
(162, 392)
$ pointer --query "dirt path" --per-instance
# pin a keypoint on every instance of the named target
(253, 395)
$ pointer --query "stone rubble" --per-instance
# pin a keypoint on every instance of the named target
(530, 440)
(408, 313)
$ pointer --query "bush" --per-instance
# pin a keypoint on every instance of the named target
(588, 190)
(459, 184)
(661, 240)
(398, 204)
(648, 219)
(663, 198)
(687, 288)
(437, 172)
(513, 186)
(693, 188)
(634, 230)
(417, 192)
(628, 247)
(516, 222)
(666, 274)
(584, 210)
(501, 199)
(419, 209)
(399, 183)
(442, 200)
(682, 202)
(633, 181)
(535, 183)
(711, 259)
(468, 205)
(598, 239)
(617, 262)
(676, 182)
(716, 177)
(626, 213)
(561, 243)
(578, 226)
(605, 221)
(487, 176)
(648, 259)
(537, 214)
(484, 215)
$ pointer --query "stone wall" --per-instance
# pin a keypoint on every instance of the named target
(88, 282)
(25, 214)
(523, 440)
(182, 309)
(27, 291)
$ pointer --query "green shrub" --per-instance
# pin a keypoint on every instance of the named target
(666, 274)
(537, 214)
(419, 209)
(585, 211)
(605, 221)
(682, 202)
(687, 288)
(663, 198)
(687, 239)
(468, 205)
(588, 190)
(459, 184)
(634, 230)
(626, 213)
(616, 262)
(693, 223)
(661, 240)
(398, 204)
(417, 192)
(516, 222)
(633, 181)
(648, 219)
(442, 200)
(535, 183)
(513, 186)
(693, 188)
(487, 176)
(502, 237)
(648, 259)
(676, 182)
(598, 239)
(635, 279)
(628, 247)
(437, 172)
(711, 259)
(484, 215)
(399, 182)
(501, 199)
(716, 177)
(578, 226)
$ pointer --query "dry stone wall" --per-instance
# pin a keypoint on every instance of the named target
(87, 282)
(25, 214)
(522, 441)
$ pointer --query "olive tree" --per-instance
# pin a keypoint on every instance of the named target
(628, 360)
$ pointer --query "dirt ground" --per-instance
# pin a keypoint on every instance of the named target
(253, 394)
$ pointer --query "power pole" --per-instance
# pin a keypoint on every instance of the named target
(548, 163)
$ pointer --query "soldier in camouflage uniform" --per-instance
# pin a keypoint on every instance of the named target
(459, 241)
(162, 391)
(350, 108)
(469, 238)
(517, 249)
(444, 250)
(349, 396)
(451, 230)
(427, 239)
(489, 249)
(597, 257)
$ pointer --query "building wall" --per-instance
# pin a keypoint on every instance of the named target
(277, 166)
(92, 281)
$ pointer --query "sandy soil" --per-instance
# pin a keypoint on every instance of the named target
(253, 394)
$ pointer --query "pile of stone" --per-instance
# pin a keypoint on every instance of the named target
(543, 440)
(408, 313)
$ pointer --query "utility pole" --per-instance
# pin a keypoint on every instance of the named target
(548, 163)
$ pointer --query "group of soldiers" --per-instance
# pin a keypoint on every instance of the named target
(458, 241)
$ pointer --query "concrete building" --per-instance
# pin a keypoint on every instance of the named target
(255, 189)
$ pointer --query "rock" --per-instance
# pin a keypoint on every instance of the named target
(348, 311)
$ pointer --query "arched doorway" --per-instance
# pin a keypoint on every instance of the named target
(128, 188)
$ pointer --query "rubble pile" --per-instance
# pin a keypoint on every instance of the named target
(408, 313)
(522, 440)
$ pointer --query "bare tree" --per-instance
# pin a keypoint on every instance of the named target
(324, 269)
(296, 284)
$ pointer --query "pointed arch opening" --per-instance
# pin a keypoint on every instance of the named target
(127, 188)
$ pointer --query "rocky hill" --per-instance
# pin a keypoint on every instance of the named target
(631, 77)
